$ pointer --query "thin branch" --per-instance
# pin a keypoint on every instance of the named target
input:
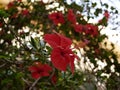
(26, 81)
(2, 65)
(34, 84)
(52, 73)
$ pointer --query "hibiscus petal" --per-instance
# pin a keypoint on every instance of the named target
(47, 68)
(52, 16)
(71, 58)
(79, 28)
(56, 40)
(36, 75)
(52, 39)
(57, 18)
(44, 74)
(33, 69)
(71, 16)
(58, 60)
(65, 42)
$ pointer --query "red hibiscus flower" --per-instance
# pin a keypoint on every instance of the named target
(25, 12)
(10, 5)
(61, 58)
(78, 28)
(61, 55)
(71, 16)
(39, 70)
(57, 18)
(91, 30)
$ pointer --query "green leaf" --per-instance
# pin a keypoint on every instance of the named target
(112, 8)
(6, 81)
(98, 11)
(33, 43)
(4, 56)
(3, 13)
(86, 0)
(106, 5)
(94, 4)
(116, 11)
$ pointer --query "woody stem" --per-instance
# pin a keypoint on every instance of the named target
(34, 84)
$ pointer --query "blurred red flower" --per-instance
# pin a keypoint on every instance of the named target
(10, 5)
(88, 29)
(79, 28)
(57, 17)
(25, 12)
(71, 16)
(61, 55)
(39, 70)
(91, 30)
